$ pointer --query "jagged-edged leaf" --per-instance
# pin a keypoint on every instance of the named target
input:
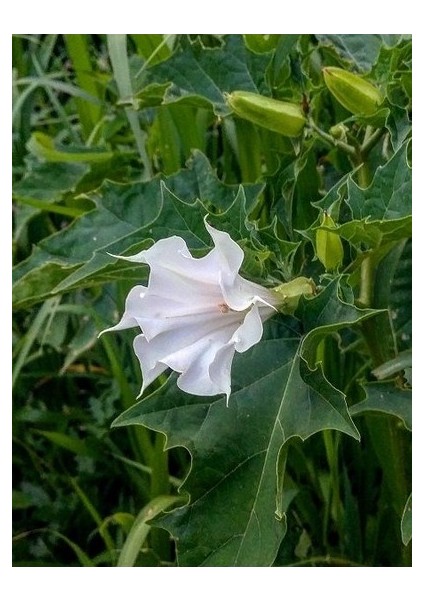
(127, 218)
(400, 126)
(200, 75)
(234, 516)
(400, 301)
(366, 231)
(381, 213)
(386, 397)
(390, 194)
(361, 50)
(48, 182)
(325, 313)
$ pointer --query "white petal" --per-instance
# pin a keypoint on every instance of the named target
(160, 315)
(250, 332)
(132, 310)
(239, 293)
(230, 255)
(220, 369)
(179, 348)
(149, 371)
(173, 256)
(196, 378)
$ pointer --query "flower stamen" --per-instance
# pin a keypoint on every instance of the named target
(223, 308)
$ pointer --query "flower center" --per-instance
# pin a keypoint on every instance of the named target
(223, 308)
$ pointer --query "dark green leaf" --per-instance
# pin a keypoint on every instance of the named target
(389, 196)
(361, 50)
(325, 314)
(201, 77)
(386, 397)
(48, 182)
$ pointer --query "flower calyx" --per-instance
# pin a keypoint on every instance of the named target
(288, 294)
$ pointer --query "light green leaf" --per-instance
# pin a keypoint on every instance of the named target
(386, 397)
(43, 147)
(261, 42)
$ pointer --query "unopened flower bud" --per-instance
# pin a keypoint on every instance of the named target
(357, 95)
(339, 131)
(329, 245)
(283, 117)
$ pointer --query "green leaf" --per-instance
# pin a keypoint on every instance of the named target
(235, 515)
(406, 523)
(67, 442)
(399, 125)
(361, 50)
(48, 182)
(386, 397)
(381, 213)
(20, 500)
(154, 47)
(261, 42)
(200, 76)
(46, 185)
(42, 146)
(389, 196)
(127, 218)
(324, 314)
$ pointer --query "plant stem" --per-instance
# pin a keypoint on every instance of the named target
(350, 150)
(370, 142)
(332, 561)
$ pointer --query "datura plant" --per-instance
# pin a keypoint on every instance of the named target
(212, 295)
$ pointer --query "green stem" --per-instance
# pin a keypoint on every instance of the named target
(160, 487)
(332, 561)
(370, 142)
(347, 148)
(139, 436)
(364, 173)
(367, 283)
(331, 442)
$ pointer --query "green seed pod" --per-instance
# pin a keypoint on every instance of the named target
(329, 245)
(283, 117)
(359, 96)
(288, 294)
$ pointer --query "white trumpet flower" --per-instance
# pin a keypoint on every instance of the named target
(195, 313)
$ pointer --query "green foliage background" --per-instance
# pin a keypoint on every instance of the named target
(120, 141)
